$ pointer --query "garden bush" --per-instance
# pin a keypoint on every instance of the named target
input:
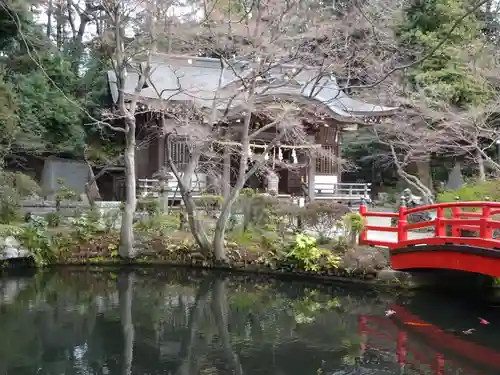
(14, 186)
(304, 255)
(151, 206)
(352, 224)
(210, 204)
(473, 191)
(256, 209)
(323, 217)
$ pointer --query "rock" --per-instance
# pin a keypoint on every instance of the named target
(11, 242)
(455, 178)
(392, 275)
(10, 248)
(365, 258)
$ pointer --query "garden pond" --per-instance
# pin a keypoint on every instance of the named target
(172, 321)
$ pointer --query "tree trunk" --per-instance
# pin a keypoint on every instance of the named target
(184, 185)
(195, 225)
(49, 19)
(424, 172)
(220, 309)
(125, 295)
(188, 342)
(220, 226)
(480, 164)
(126, 248)
(412, 180)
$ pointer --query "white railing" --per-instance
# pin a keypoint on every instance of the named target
(342, 191)
(150, 187)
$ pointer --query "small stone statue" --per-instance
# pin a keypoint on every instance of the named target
(412, 201)
(272, 182)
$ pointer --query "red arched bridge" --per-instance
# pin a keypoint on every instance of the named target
(461, 237)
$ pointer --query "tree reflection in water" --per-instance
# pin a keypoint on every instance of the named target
(185, 324)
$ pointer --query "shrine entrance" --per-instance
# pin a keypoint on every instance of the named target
(289, 166)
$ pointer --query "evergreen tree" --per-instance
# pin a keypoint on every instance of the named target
(448, 75)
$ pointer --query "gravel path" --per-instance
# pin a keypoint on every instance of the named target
(390, 236)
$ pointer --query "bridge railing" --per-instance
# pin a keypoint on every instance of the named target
(450, 221)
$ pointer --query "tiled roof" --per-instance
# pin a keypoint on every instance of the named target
(203, 80)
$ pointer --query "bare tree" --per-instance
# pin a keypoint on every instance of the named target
(289, 51)
(423, 131)
(474, 135)
(124, 18)
(280, 57)
(412, 138)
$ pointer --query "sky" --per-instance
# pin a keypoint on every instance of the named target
(90, 30)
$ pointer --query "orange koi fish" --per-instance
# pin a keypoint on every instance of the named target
(418, 324)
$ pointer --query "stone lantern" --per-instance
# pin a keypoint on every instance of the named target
(163, 178)
(272, 182)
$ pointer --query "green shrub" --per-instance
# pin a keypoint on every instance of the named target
(209, 203)
(64, 193)
(14, 187)
(151, 206)
(258, 210)
(472, 191)
(87, 226)
(10, 230)
(158, 225)
(36, 238)
(352, 225)
(9, 205)
(53, 219)
(308, 257)
(323, 217)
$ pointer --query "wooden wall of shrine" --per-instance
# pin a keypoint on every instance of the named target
(152, 155)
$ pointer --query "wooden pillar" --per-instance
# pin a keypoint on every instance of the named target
(336, 150)
(162, 142)
(311, 173)
(161, 151)
(226, 172)
(311, 170)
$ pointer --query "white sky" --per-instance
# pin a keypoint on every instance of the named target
(179, 11)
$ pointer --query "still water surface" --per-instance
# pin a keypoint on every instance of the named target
(172, 322)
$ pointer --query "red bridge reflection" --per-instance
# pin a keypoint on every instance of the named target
(430, 349)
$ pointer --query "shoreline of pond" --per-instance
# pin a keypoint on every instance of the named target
(380, 278)
(385, 278)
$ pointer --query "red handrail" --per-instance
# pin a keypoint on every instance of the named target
(481, 221)
(470, 204)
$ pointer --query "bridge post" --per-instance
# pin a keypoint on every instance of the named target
(363, 236)
(362, 332)
(439, 364)
(455, 215)
(401, 350)
(440, 229)
(402, 231)
(485, 230)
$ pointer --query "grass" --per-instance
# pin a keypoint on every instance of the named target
(8, 229)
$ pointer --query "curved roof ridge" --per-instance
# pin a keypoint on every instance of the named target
(197, 79)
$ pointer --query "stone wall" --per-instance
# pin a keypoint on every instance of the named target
(41, 207)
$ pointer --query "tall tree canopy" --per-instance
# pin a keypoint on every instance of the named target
(452, 73)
